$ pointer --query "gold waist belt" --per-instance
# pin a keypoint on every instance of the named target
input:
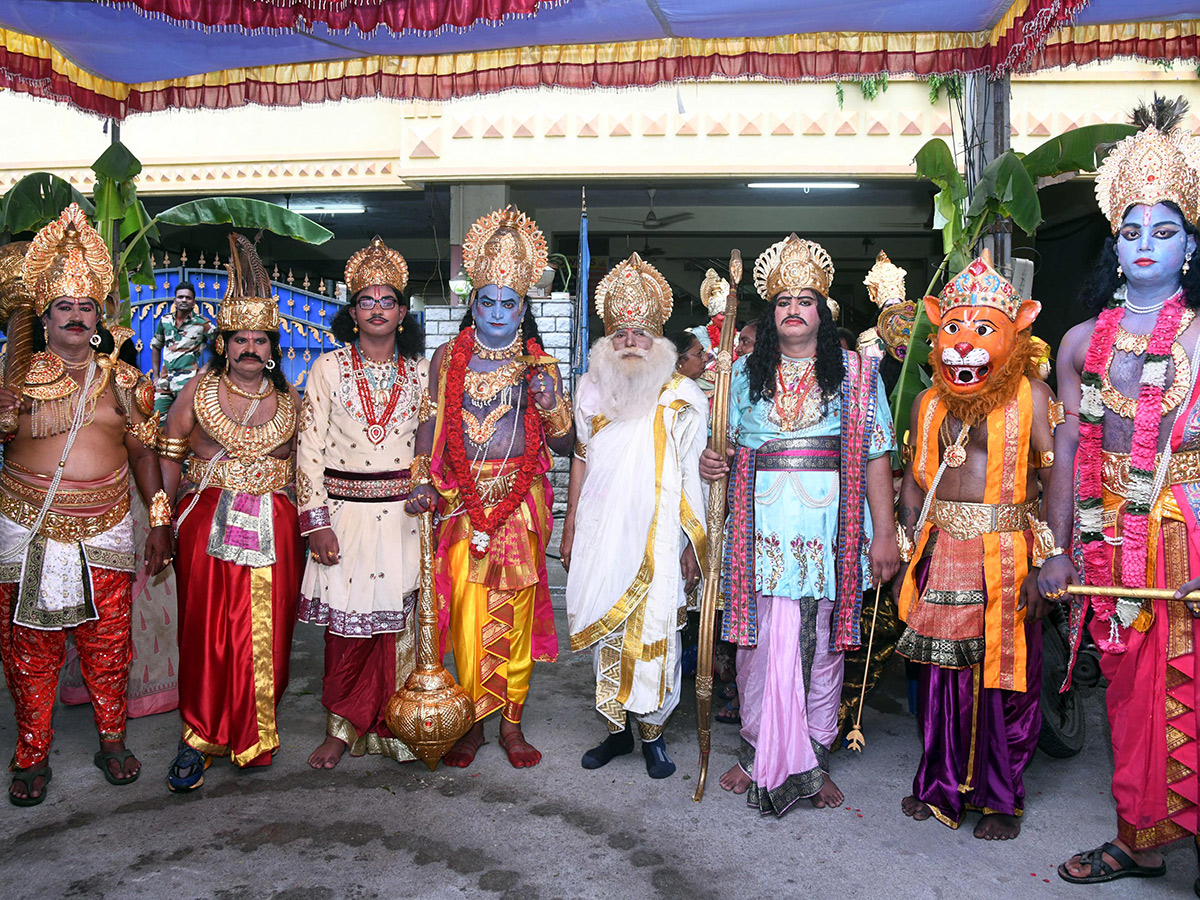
(260, 475)
(66, 497)
(64, 527)
(1184, 468)
(493, 490)
(971, 520)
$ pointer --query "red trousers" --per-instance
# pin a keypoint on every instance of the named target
(360, 678)
(34, 659)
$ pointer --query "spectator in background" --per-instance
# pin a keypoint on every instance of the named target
(177, 346)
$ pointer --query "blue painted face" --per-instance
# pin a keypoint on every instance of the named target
(1151, 247)
(498, 312)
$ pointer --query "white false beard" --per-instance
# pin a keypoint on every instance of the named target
(629, 388)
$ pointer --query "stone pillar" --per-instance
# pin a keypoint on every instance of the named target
(988, 136)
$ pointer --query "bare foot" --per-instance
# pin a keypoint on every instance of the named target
(1077, 868)
(830, 795)
(328, 754)
(521, 753)
(998, 827)
(463, 753)
(736, 780)
(915, 809)
(121, 771)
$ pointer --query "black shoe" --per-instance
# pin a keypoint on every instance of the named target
(658, 764)
(614, 745)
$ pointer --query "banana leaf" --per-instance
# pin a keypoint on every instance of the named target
(37, 199)
(242, 212)
(117, 163)
(1006, 190)
(1074, 151)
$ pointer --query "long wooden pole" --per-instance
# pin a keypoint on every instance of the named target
(1132, 593)
(716, 526)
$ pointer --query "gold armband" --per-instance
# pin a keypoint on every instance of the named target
(145, 431)
(1044, 547)
(426, 408)
(581, 450)
(1043, 459)
(419, 470)
(160, 509)
(905, 543)
(174, 449)
(907, 453)
(557, 421)
(1057, 415)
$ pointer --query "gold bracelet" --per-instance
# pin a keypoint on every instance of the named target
(558, 420)
(418, 471)
(174, 449)
(426, 408)
(905, 543)
(160, 509)
(1044, 547)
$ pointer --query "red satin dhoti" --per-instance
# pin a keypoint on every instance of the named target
(361, 675)
(235, 636)
(33, 660)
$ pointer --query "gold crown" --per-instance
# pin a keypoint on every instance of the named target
(634, 295)
(1150, 167)
(505, 248)
(376, 263)
(714, 291)
(14, 292)
(885, 281)
(248, 304)
(980, 285)
(793, 265)
(68, 258)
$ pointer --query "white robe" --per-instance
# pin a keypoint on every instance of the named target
(641, 500)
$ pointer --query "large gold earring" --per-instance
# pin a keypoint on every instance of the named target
(219, 344)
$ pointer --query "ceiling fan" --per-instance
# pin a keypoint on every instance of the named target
(652, 219)
(647, 252)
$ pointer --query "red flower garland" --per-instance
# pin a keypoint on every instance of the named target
(481, 521)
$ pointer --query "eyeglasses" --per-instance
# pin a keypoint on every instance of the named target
(371, 303)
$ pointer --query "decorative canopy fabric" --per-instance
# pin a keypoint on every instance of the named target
(121, 57)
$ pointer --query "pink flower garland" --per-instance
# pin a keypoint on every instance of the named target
(1097, 555)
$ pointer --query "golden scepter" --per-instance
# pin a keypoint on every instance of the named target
(855, 739)
(16, 318)
(431, 712)
(716, 525)
(1147, 593)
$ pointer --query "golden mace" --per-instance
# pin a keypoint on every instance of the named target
(431, 712)
(16, 318)
(1132, 593)
(716, 526)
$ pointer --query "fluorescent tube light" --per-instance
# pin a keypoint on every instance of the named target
(328, 209)
(805, 185)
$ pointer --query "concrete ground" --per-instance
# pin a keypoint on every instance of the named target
(372, 828)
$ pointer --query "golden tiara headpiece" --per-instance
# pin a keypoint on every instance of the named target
(980, 285)
(248, 304)
(885, 281)
(714, 291)
(376, 263)
(1161, 163)
(634, 295)
(505, 248)
(792, 265)
(68, 258)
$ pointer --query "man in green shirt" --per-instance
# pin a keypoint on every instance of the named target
(177, 346)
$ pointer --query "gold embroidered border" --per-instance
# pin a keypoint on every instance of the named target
(262, 641)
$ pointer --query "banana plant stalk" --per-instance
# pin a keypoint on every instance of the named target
(716, 526)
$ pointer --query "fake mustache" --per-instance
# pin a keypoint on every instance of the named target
(249, 355)
(71, 326)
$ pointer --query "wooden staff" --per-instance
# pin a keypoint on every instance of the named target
(855, 739)
(1148, 593)
(716, 525)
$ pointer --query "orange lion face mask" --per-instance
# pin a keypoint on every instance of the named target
(974, 341)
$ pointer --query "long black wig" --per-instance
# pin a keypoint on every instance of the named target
(830, 367)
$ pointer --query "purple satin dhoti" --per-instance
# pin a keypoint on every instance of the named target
(977, 741)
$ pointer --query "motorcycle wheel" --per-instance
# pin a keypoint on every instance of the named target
(1063, 729)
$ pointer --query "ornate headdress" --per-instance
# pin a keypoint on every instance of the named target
(885, 281)
(68, 258)
(14, 291)
(980, 285)
(376, 263)
(792, 265)
(505, 248)
(714, 291)
(634, 295)
(894, 327)
(248, 304)
(1160, 163)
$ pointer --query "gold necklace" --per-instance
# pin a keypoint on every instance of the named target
(483, 386)
(242, 441)
(499, 353)
(1173, 395)
(265, 388)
